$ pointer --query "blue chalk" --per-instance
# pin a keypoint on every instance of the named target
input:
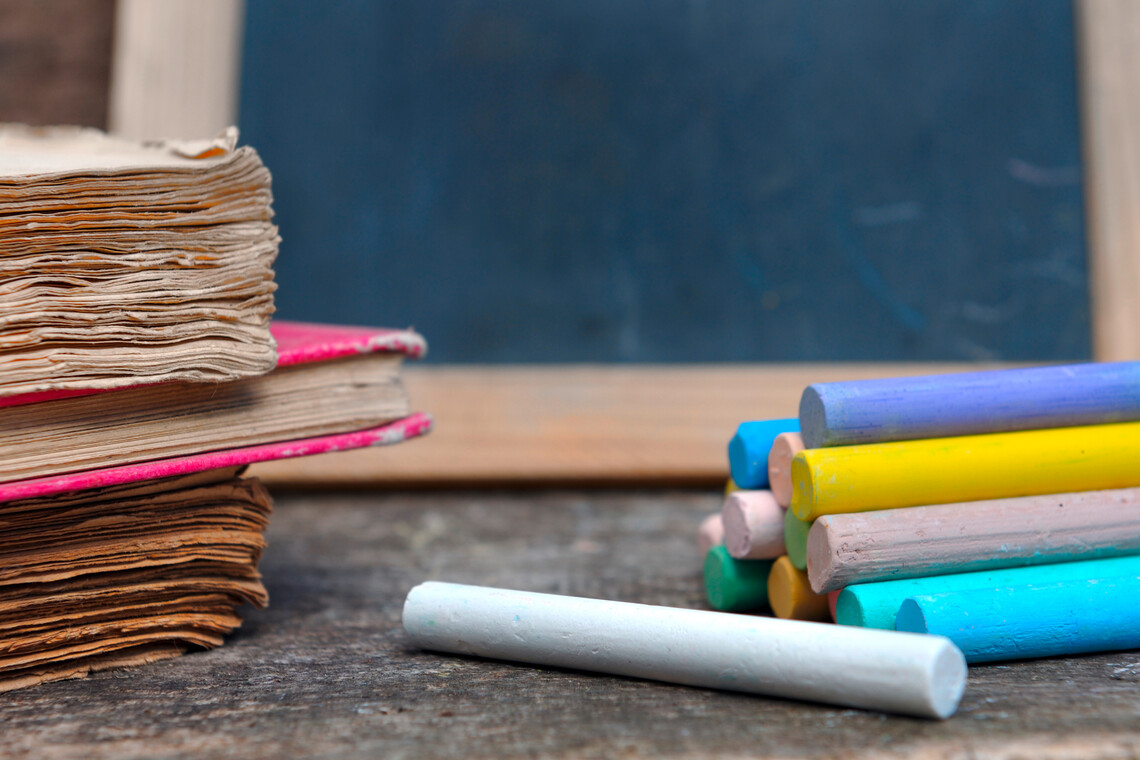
(1013, 623)
(876, 605)
(995, 401)
(748, 450)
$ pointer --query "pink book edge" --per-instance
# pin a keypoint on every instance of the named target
(297, 343)
(393, 432)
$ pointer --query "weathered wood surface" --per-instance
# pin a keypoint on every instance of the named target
(578, 425)
(327, 671)
(55, 61)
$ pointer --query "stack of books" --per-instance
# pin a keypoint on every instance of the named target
(1000, 509)
(139, 375)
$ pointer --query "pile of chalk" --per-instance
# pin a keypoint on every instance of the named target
(999, 509)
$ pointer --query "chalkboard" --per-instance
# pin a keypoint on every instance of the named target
(678, 180)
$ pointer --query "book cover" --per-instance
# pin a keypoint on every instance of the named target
(328, 380)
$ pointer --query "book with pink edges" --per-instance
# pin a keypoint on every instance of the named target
(137, 426)
(394, 432)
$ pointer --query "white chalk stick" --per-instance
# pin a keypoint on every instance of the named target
(857, 667)
(710, 534)
(753, 525)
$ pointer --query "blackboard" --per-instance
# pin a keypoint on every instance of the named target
(678, 180)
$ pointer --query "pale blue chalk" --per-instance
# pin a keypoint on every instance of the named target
(876, 605)
(748, 450)
(1018, 622)
(995, 401)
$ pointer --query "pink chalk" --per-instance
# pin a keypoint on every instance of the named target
(753, 525)
(783, 450)
(917, 542)
(710, 534)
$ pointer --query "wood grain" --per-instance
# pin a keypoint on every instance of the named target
(1108, 46)
(578, 425)
(55, 61)
(176, 67)
(326, 670)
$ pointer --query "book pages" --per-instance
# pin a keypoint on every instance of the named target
(126, 574)
(124, 263)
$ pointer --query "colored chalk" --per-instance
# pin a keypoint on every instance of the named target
(753, 525)
(940, 406)
(832, 598)
(791, 597)
(1015, 623)
(795, 539)
(710, 533)
(730, 486)
(876, 670)
(968, 468)
(978, 535)
(735, 585)
(748, 450)
(875, 605)
(784, 449)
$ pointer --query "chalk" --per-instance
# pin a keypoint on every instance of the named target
(832, 598)
(748, 450)
(790, 594)
(730, 486)
(968, 468)
(939, 406)
(753, 525)
(876, 605)
(710, 533)
(975, 535)
(873, 670)
(784, 448)
(735, 585)
(1077, 617)
(795, 539)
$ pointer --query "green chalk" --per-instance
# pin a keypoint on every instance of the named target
(735, 585)
(795, 539)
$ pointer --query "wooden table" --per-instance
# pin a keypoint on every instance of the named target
(327, 671)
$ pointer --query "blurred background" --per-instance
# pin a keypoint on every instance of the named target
(649, 180)
(678, 180)
(675, 193)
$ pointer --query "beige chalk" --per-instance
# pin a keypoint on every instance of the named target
(864, 547)
(753, 525)
(710, 534)
(783, 450)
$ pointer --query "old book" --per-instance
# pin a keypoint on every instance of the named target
(102, 577)
(124, 263)
(138, 563)
(329, 379)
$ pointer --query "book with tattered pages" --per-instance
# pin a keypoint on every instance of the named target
(329, 379)
(124, 263)
(108, 566)
(139, 375)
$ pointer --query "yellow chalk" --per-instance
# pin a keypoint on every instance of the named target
(730, 487)
(790, 594)
(966, 468)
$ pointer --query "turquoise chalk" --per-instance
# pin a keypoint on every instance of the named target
(748, 450)
(876, 605)
(1018, 622)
